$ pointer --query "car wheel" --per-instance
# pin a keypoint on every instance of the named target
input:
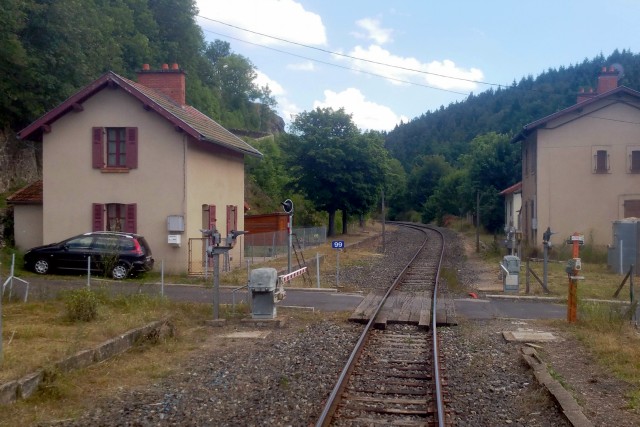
(120, 271)
(41, 266)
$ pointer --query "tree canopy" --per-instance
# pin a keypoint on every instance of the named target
(334, 164)
(50, 49)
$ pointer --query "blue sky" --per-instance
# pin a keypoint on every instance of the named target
(328, 53)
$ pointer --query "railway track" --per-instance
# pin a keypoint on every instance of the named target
(393, 374)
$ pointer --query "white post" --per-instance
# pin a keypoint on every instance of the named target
(162, 278)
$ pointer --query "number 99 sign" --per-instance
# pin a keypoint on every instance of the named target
(337, 244)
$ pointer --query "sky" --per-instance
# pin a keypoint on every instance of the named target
(389, 61)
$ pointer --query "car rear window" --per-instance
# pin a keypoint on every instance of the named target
(145, 245)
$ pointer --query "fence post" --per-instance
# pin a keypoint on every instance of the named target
(318, 269)
(528, 277)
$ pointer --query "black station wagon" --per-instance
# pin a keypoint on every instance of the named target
(112, 253)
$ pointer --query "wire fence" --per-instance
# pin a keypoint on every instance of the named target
(274, 244)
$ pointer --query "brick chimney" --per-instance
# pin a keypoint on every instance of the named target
(170, 81)
(607, 80)
(583, 95)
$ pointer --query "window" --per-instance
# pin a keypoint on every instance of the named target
(115, 217)
(115, 148)
(634, 160)
(600, 160)
(83, 242)
(632, 208)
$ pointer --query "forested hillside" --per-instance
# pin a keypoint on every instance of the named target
(458, 152)
(449, 130)
(50, 49)
(433, 166)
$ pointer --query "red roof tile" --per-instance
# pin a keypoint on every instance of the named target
(29, 195)
(183, 117)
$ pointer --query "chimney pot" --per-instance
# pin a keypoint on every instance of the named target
(145, 67)
(604, 69)
(165, 66)
(175, 66)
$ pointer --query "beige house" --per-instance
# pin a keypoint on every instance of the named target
(512, 206)
(581, 165)
(132, 156)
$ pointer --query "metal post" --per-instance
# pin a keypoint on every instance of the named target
(1, 354)
(621, 269)
(318, 269)
(216, 286)
(338, 269)
(206, 266)
(290, 230)
(572, 302)
(162, 278)
(383, 223)
(477, 221)
(528, 277)
(89, 271)
(545, 264)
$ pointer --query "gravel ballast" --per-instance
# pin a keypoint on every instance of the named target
(283, 379)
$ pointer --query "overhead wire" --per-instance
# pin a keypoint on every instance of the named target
(336, 65)
(345, 56)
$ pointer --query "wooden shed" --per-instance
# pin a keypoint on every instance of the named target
(266, 223)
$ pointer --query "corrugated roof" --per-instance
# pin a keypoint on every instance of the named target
(183, 117)
(29, 195)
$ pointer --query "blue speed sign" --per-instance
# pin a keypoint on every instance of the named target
(337, 244)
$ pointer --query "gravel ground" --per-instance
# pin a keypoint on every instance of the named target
(281, 380)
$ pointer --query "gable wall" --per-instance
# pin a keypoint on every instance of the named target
(569, 196)
(71, 185)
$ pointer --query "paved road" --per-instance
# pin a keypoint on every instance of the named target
(323, 300)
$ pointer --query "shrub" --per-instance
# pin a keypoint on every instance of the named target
(82, 305)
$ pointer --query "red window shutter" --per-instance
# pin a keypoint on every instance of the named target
(131, 219)
(98, 217)
(212, 217)
(232, 218)
(97, 148)
(235, 218)
(132, 148)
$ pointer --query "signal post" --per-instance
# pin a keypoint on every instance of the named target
(574, 265)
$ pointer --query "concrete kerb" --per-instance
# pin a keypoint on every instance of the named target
(28, 384)
(570, 408)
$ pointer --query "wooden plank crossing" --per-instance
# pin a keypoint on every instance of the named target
(401, 307)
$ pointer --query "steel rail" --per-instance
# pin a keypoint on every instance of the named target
(434, 329)
(332, 401)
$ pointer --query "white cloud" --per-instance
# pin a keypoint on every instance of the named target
(263, 80)
(366, 114)
(374, 32)
(285, 19)
(425, 74)
(302, 66)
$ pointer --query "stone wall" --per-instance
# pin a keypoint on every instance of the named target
(20, 161)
